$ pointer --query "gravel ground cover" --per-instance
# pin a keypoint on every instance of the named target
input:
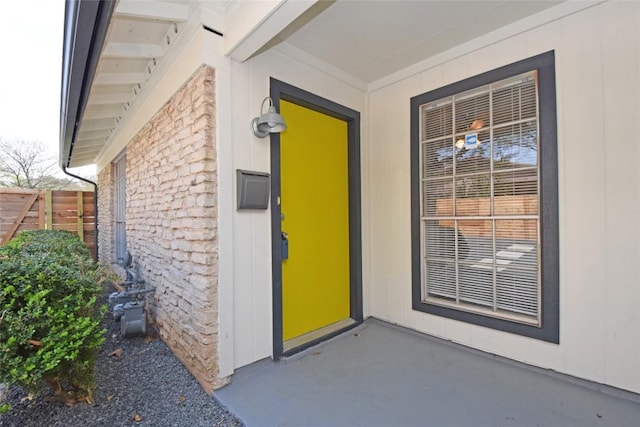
(145, 385)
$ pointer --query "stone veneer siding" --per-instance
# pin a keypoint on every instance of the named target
(171, 223)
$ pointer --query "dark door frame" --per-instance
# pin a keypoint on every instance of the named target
(283, 91)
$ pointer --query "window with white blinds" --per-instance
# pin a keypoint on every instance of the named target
(480, 199)
(119, 208)
(477, 199)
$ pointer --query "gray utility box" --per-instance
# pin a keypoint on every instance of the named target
(253, 189)
(134, 320)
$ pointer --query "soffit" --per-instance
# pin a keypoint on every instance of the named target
(140, 34)
(370, 40)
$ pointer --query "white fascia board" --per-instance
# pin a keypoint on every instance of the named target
(254, 23)
(541, 18)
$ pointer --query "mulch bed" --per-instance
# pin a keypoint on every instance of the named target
(139, 382)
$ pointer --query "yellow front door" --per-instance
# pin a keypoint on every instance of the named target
(315, 218)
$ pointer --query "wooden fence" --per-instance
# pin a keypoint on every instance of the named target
(24, 209)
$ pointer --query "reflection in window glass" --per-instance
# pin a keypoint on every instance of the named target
(515, 146)
(438, 155)
(480, 242)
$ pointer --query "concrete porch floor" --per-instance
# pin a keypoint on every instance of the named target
(382, 375)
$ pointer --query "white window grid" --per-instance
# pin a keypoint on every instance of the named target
(529, 315)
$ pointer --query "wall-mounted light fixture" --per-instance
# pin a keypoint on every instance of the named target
(269, 122)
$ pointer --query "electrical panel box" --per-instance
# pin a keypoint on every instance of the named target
(253, 189)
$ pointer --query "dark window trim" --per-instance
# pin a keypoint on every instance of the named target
(281, 90)
(549, 262)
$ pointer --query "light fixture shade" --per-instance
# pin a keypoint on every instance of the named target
(269, 122)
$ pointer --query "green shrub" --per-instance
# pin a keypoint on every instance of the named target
(49, 320)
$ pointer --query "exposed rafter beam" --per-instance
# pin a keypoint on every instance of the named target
(92, 134)
(91, 150)
(102, 113)
(160, 11)
(119, 78)
(82, 161)
(94, 125)
(88, 155)
(85, 147)
(110, 98)
(132, 50)
(252, 24)
(90, 143)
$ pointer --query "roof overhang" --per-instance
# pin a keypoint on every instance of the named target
(85, 29)
(112, 49)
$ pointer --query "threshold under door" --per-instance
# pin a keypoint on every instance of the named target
(303, 341)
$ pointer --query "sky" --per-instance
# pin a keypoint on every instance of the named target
(30, 70)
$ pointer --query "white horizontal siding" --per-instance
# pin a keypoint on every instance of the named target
(597, 71)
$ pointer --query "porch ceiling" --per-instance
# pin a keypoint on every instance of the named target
(370, 40)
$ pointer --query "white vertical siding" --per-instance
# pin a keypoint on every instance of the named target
(583, 177)
(621, 108)
(375, 235)
(597, 71)
(252, 229)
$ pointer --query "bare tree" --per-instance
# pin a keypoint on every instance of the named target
(25, 164)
